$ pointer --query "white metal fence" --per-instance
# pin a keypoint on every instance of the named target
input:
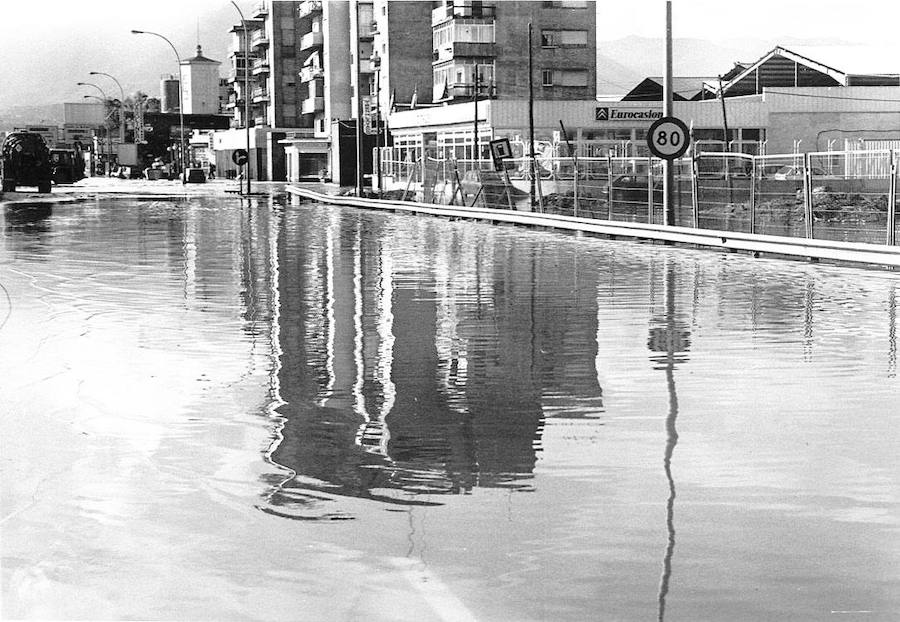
(835, 195)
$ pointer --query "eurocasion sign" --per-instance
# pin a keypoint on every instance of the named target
(607, 113)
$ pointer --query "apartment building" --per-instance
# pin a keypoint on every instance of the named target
(483, 48)
(266, 51)
(359, 57)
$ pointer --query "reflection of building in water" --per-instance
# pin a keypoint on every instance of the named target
(418, 384)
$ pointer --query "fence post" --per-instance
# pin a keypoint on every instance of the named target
(807, 195)
(695, 190)
(753, 194)
(575, 188)
(609, 185)
(892, 203)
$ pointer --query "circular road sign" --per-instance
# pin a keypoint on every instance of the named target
(240, 157)
(668, 138)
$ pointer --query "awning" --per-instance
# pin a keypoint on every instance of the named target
(307, 145)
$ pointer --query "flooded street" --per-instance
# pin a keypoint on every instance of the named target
(222, 410)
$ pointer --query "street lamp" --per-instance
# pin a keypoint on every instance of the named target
(104, 101)
(246, 86)
(122, 91)
(180, 98)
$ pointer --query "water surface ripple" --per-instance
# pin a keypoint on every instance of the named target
(224, 410)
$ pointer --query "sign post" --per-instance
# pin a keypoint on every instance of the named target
(668, 138)
(502, 150)
(241, 158)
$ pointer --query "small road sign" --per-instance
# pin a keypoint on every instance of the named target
(500, 150)
(240, 157)
(668, 138)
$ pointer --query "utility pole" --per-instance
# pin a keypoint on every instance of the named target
(477, 151)
(668, 165)
(246, 88)
(360, 179)
(377, 61)
(531, 117)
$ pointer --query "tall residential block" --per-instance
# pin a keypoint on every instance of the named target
(487, 43)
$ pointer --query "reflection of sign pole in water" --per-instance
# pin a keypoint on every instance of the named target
(670, 339)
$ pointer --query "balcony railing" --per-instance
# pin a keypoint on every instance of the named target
(237, 75)
(259, 120)
(308, 74)
(462, 49)
(259, 95)
(308, 7)
(467, 89)
(260, 66)
(312, 105)
(311, 40)
(259, 38)
(442, 14)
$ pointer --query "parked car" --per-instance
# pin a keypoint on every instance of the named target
(794, 171)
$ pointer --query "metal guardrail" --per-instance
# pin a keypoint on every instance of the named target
(883, 255)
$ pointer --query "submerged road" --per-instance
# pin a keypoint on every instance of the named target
(222, 409)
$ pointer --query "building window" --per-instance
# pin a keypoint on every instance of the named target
(564, 77)
(564, 38)
(564, 4)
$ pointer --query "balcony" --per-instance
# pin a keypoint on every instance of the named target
(463, 49)
(367, 65)
(442, 14)
(311, 40)
(312, 105)
(237, 75)
(259, 95)
(467, 89)
(260, 66)
(260, 11)
(367, 30)
(309, 7)
(259, 120)
(308, 74)
(259, 39)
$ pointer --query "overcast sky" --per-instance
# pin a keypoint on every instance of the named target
(46, 46)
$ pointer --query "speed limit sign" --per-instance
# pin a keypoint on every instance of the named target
(668, 138)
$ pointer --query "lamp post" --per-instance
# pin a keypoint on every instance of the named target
(103, 100)
(180, 98)
(106, 101)
(246, 86)
(122, 114)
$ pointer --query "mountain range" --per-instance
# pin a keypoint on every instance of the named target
(621, 65)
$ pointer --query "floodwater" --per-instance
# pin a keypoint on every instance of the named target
(215, 410)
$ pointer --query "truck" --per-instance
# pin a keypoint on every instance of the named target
(25, 161)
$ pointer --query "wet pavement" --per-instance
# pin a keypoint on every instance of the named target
(226, 409)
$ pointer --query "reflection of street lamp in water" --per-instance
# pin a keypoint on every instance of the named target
(671, 339)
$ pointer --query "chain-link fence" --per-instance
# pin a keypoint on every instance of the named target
(829, 195)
